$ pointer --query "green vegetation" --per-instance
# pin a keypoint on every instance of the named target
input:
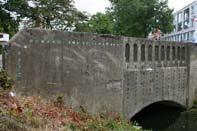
(136, 18)
(139, 17)
(124, 17)
(47, 14)
(195, 104)
(99, 23)
(6, 82)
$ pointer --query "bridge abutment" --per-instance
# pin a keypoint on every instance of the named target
(192, 75)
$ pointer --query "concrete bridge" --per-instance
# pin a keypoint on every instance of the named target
(102, 73)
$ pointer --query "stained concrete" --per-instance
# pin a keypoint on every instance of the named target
(91, 70)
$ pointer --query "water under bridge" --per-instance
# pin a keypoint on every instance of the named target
(102, 73)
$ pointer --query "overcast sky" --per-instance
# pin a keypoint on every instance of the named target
(93, 6)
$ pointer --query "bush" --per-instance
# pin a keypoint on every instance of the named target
(6, 82)
(195, 103)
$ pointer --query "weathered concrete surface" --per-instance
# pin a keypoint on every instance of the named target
(91, 70)
(87, 69)
(192, 75)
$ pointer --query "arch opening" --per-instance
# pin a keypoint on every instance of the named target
(156, 53)
(162, 53)
(159, 115)
(135, 53)
(143, 53)
(149, 53)
(127, 52)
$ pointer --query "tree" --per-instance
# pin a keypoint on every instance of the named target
(139, 17)
(11, 11)
(7, 23)
(101, 23)
(47, 14)
(54, 14)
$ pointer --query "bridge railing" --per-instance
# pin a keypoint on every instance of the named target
(141, 52)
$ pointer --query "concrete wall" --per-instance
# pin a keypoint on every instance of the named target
(86, 69)
(192, 75)
(153, 79)
(102, 73)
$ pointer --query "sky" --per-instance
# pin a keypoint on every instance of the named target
(93, 6)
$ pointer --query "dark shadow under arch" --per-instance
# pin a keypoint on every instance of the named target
(159, 115)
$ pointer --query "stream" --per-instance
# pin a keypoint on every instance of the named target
(166, 118)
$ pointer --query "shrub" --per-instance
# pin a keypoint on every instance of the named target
(195, 103)
(59, 102)
(6, 82)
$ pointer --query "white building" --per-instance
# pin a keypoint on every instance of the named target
(185, 25)
(4, 38)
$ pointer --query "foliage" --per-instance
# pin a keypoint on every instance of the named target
(46, 14)
(125, 17)
(54, 14)
(195, 103)
(6, 83)
(101, 23)
(59, 102)
(11, 12)
(139, 17)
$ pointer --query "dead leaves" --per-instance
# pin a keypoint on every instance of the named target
(41, 114)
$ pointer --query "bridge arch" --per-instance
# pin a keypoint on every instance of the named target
(159, 115)
(169, 103)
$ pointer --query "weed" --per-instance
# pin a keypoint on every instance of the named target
(6, 82)
(195, 102)
(73, 127)
(59, 102)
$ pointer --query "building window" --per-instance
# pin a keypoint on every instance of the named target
(192, 10)
(162, 53)
(149, 53)
(127, 52)
(135, 52)
(192, 36)
(184, 36)
(143, 53)
(180, 22)
(192, 22)
(156, 53)
(187, 35)
(186, 18)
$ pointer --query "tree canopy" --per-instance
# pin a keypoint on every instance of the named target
(101, 23)
(47, 14)
(11, 11)
(139, 17)
(54, 14)
(134, 18)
